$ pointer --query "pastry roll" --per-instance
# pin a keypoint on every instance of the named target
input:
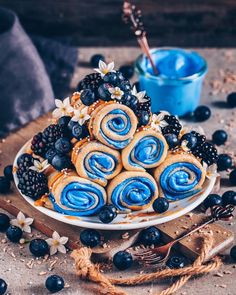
(97, 162)
(132, 190)
(75, 196)
(148, 149)
(113, 124)
(179, 177)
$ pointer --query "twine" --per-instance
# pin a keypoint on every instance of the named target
(87, 270)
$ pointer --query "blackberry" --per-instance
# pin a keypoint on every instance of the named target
(173, 125)
(24, 162)
(207, 153)
(91, 81)
(33, 184)
(38, 145)
(51, 134)
(200, 138)
(146, 106)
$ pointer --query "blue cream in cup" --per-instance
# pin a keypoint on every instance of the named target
(177, 87)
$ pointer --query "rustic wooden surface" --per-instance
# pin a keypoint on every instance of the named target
(98, 22)
(30, 280)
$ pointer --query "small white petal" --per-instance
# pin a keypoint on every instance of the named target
(66, 101)
(61, 248)
(163, 124)
(53, 250)
(27, 229)
(58, 103)
(102, 65)
(205, 166)
(63, 240)
(110, 66)
(20, 216)
(14, 222)
(55, 235)
(57, 113)
(81, 121)
(50, 241)
(29, 221)
(134, 90)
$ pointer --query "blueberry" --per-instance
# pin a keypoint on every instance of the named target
(232, 177)
(212, 200)
(79, 132)
(14, 233)
(4, 185)
(107, 213)
(71, 124)
(50, 154)
(8, 172)
(137, 86)
(90, 238)
(160, 205)
(111, 78)
(224, 162)
(143, 117)
(39, 247)
(233, 253)
(219, 137)
(130, 101)
(94, 61)
(127, 71)
(87, 97)
(231, 99)
(125, 86)
(64, 121)
(4, 222)
(191, 140)
(60, 162)
(54, 283)
(122, 260)
(120, 77)
(63, 145)
(176, 262)
(229, 197)
(103, 91)
(202, 113)
(3, 287)
(150, 236)
(172, 140)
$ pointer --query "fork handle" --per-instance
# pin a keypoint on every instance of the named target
(193, 230)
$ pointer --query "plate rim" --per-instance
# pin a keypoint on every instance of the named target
(111, 226)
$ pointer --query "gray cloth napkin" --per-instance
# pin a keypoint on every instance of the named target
(26, 91)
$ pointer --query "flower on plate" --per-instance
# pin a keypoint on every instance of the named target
(184, 146)
(40, 166)
(158, 121)
(189, 128)
(57, 243)
(81, 116)
(63, 108)
(104, 68)
(23, 222)
(116, 92)
(211, 171)
(140, 95)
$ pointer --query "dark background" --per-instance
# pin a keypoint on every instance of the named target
(195, 23)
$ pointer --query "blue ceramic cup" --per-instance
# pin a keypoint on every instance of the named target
(177, 87)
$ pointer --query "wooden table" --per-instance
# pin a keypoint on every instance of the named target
(14, 259)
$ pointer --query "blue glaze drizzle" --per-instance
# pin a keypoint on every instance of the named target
(81, 199)
(179, 180)
(147, 151)
(118, 126)
(134, 191)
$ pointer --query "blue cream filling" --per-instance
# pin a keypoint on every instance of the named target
(177, 184)
(134, 191)
(79, 199)
(98, 162)
(117, 125)
(147, 150)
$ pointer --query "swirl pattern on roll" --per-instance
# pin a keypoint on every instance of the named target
(96, 162)
(148, 149)
(113, 125)
(179, 177)
(76, 196)
(132, 190)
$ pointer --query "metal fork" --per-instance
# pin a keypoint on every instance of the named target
(160, 254)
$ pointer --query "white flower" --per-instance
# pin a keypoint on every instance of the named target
(140, 95)
(56, 243)
(104, 68)
(40, 166)
(189, 128)
(211, 171)
(64, 108)
(116, 92)
(158, 121)
(184, 146)
(22, 222)
(81, 116)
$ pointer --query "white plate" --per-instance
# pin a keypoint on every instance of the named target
(136, 219)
